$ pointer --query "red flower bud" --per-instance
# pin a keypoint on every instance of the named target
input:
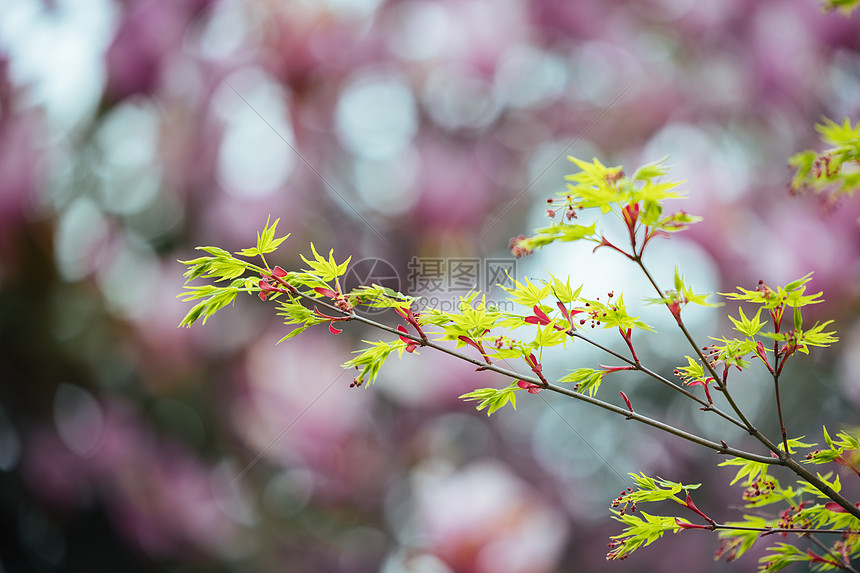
(532, 388)
(675, 309)
(629, 405)
(687, 525)
(630, 214)
(326, 292)
(539, 317)
(411, 345)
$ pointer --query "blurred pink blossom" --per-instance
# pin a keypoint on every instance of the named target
(157, 493)
(296, 408)
(482, 519)
(148, 34)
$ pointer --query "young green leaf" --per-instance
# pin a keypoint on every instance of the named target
(295, 313)
(493, 399)
(594, 185)
(749, 469)
(585, 380)
(549, 336)
(657, 489)
(781, 556)
(216, 299)
(266, 241)
(562, 291)
(692, 372)
(736, 542)
(732, 351)
(218, 267)
(371, 359)
(795, 443)
(816, 337)
(650, 171)
(561, 232)
(640, 532)
(748, 326)
(528, 294)
(326, 269)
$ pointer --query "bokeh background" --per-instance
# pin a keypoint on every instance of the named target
(132, 131)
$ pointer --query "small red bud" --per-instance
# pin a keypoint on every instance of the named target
(532, 388)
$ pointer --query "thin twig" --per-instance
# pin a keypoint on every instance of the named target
(706, 363)
(638, 366)
(775, 371)
(773, 530)
(843, 564)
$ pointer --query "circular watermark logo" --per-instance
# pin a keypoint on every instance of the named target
(370, 271)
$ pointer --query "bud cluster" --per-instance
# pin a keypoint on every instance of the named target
(616, 552)
(623, 500)
(595, 313)
(569, 209)
(788, 519)
(516, 247)
(758, 488)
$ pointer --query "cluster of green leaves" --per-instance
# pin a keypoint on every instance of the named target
(732, 351)
(554, 325)
(640, 532)
(473, 321)
(772, 509)
(844, 450)
(638, 200)
(290, 289)
(643, 528)
(220, 265)
(804, 507)
(606, 188)
(553, 305)
(295, 292)
(726, 352)
(791, 296)
(683, 295)
(761, 489)
(836, 170)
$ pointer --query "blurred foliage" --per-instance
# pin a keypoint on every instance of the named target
(835, 171)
